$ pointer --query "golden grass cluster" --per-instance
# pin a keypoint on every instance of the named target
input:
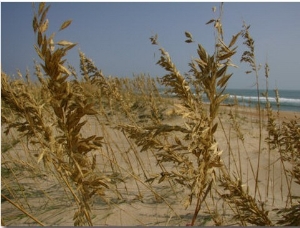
(94, 150)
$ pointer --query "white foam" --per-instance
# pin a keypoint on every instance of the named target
(282, 100)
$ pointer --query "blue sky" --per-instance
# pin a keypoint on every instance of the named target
(116, 36)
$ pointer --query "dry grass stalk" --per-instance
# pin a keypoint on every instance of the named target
(248, 210)
(249, 57)
(22, 209)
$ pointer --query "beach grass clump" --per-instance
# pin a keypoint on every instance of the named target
(55, 122)
(196, 154)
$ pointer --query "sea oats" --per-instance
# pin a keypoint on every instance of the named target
(120, 145)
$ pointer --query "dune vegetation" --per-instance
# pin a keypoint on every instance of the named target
(90, 149)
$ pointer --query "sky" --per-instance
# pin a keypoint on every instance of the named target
(116, 36)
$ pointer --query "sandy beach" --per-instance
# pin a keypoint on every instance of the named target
(131, 200)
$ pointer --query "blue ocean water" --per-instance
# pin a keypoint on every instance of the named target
(289, 100)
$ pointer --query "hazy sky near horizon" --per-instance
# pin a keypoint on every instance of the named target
(116, 36)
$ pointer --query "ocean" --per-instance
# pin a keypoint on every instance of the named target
(289, 99)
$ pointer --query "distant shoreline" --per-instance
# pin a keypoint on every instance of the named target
(288, 100)
(282, 114)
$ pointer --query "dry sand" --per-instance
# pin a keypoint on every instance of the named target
(134, 202)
